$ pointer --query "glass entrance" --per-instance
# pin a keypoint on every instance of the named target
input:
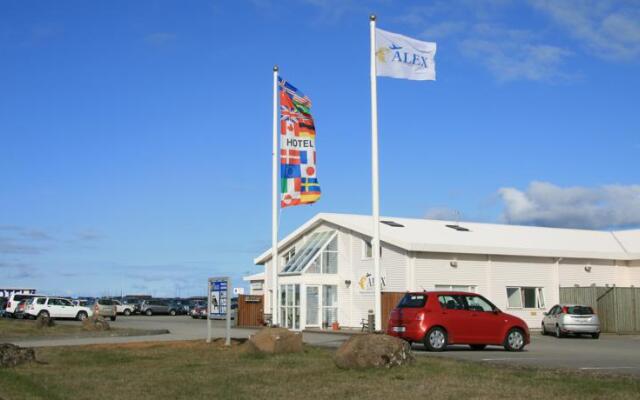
(290, 306)
(313, 306)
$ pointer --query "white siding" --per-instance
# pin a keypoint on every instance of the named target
(395, 267)
(576, 272)
(433, 269)
(519, 272)
(362, 301)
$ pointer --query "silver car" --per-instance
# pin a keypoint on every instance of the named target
(565, 319)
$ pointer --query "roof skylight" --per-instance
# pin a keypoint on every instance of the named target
(458, 228)
(392, 223)
(308, 252)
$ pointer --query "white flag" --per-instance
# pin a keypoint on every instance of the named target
(399, 56)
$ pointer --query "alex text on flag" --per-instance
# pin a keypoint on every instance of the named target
(398, 56)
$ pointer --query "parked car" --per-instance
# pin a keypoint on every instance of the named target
(155, 306)
(13, 301)
(81, 302)
(123, 308)
(19, 311)
(55, 307)
(567, 319)
(3, 305)
(182, 306)
(199, 310)
(439, 319)
(103, 307)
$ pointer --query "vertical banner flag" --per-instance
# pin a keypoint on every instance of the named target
(398, 56)
(299, 184)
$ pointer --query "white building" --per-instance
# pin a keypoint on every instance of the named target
(256, 283)
(326, 265)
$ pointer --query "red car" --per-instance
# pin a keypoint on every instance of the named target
(439, 319)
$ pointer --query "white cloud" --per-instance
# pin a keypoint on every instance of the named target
(510, 60)
(608, 29)
(444, 29)
(546, 204)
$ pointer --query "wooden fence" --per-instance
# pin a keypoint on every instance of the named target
(617, 307)
(389, 301)
(250, 310)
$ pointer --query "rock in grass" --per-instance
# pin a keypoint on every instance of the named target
(95, 323)
(274, 341)
(44, 322)
(12, 355)
(373, 351)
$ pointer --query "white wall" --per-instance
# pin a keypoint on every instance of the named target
(602, 272)
(433, 269)
(524, 271)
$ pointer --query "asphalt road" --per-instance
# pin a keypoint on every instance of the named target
(609, 354)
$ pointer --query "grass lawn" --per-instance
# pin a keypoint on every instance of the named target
(26, 329)
(195, 370)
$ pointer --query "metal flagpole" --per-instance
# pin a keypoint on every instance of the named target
(375, 189)
(274, 215)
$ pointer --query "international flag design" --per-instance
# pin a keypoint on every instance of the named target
(298, 180)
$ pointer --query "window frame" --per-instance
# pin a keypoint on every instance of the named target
(367, 250)
(450, 288)
(539, 298)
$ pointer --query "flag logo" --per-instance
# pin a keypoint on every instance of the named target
(298, 181)
(398, 56)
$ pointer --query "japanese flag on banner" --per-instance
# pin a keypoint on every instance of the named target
(298, 180)
(398, 56)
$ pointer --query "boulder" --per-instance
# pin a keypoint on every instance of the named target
(95, 323)
(44, 322)
(373, 351)
(12, 355)
(275, 341)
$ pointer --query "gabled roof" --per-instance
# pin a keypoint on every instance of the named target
(423, 235)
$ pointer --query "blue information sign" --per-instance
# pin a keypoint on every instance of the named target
(218, 299)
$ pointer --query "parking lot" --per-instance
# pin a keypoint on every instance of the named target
(610, 354)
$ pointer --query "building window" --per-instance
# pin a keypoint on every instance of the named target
(367, 250)
(457, 288)
(289, 255)
(329, 305)
(327, 261)
(525, 297)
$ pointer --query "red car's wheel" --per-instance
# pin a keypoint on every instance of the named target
(514, 340)
(436, 339)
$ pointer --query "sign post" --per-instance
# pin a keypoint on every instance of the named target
(219, 304)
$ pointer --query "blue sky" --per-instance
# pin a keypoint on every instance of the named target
(135, 137)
